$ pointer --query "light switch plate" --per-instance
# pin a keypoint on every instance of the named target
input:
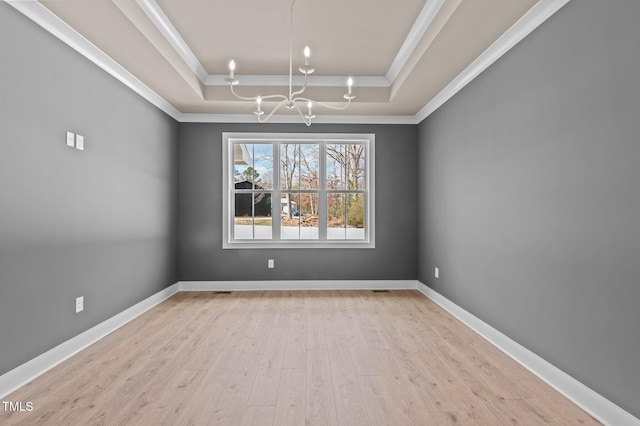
(70, 139)
(80, 142)
(79, 304)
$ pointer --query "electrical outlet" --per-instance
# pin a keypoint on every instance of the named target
(437, 272)
(271, 264)
(79, 304)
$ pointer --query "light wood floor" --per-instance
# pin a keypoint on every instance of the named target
(292, 358)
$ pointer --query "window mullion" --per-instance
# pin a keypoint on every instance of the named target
(322, 192)
(345, 187)
(276, 207)
(230, 207)
(253, 193)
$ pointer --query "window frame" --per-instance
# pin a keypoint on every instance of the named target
(229, 139)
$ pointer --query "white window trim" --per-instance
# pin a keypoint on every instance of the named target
(229, 138)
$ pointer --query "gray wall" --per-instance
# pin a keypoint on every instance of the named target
(99, 223)
(530, 196)
(527, 197)
(200, 212)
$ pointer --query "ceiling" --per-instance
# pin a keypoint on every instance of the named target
(405, 57)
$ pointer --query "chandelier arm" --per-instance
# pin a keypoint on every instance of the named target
(282, 97)
(242, 98)
(277, 107)
(337, 108)
(255, 98)
(293, 98)
(304, 86)
(291, 51)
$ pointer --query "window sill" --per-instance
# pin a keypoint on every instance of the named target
(268, 244)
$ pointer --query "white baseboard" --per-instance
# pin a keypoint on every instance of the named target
(20, 376)
(593, 403)
(599, 407)
(298, 285)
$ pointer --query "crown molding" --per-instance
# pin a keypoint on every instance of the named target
(523, 27)
(419, 28)
(156, 15)
(295, 119)
(162, 22)
(298, 80)
(531, 20)
(50, 22)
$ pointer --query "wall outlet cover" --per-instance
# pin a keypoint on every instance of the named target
(70, 139)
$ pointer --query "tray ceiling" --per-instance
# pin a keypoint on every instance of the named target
(406, 58)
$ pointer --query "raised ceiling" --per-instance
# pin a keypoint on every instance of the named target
(406, 57)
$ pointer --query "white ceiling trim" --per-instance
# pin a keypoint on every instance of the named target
(166, 28)
(531, 20)
(162, 22)
(295, 119)
(298, 80)
(50, 22)
(425, 18)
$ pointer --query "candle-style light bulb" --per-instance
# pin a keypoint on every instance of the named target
(309, 116)
(307, 55)
(258, 112)
(232, 68)
(349, 84)
(306, 68)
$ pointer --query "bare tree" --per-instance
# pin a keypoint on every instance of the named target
(309, 172)
(289, 154)
(350, 158)
(349, 175)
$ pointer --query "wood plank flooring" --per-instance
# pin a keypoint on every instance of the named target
(292, 358)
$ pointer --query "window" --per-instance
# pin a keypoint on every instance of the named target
(298, 190)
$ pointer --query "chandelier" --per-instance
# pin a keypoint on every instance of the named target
(293, 100)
